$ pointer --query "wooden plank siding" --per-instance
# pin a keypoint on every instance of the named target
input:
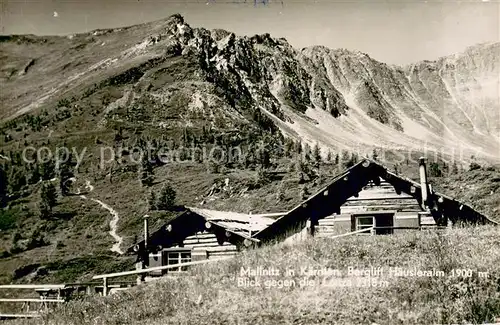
(208, 242)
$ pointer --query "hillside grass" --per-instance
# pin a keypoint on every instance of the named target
(478, 188)
(211, 294)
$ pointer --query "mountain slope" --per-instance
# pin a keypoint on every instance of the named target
(167, 73)
(429, 102)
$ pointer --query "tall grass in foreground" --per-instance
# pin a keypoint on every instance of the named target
(212, 295)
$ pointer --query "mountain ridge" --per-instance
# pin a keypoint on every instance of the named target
(433, 105)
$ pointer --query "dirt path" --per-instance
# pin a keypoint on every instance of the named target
(89, 186)
(4, 157)
(113, 224)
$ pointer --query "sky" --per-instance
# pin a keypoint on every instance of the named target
(395, 32)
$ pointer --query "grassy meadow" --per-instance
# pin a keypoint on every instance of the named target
(469, 292)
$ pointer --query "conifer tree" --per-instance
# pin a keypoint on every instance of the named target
(152, 201)
(298, 147)
(34, 174)
(17, 179)
(280, 193)
(299, 168)
(329, 156)
(3, 186)
(47, 170)
(454, 168)
(263, 155)
(119, 134)
(166, 198)
(48, 199)
(44, 210)
(317, 153)
(145, 172)
(307, 152)
(288, 147)
(65, 175)
(304, 192)
(345, 159)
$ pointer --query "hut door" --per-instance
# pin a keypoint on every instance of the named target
(385, 220)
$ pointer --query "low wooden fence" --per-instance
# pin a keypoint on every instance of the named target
(105, 277)
(42, 303)
(366, 230)
(59, 293)
(373, 230)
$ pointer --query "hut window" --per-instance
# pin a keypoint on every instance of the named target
(364, 222)
(177, 257)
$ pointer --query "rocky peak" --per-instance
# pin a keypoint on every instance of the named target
(260, 68)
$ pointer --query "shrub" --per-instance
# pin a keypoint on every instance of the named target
(213, 167)
(36, 239)
(261, 178)
(7, 218)
(474, 166)
(63, 103)
(435, 170)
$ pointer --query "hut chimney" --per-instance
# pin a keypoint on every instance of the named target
(424, 185)
(146, 232)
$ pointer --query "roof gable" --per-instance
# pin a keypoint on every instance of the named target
(349, 183)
